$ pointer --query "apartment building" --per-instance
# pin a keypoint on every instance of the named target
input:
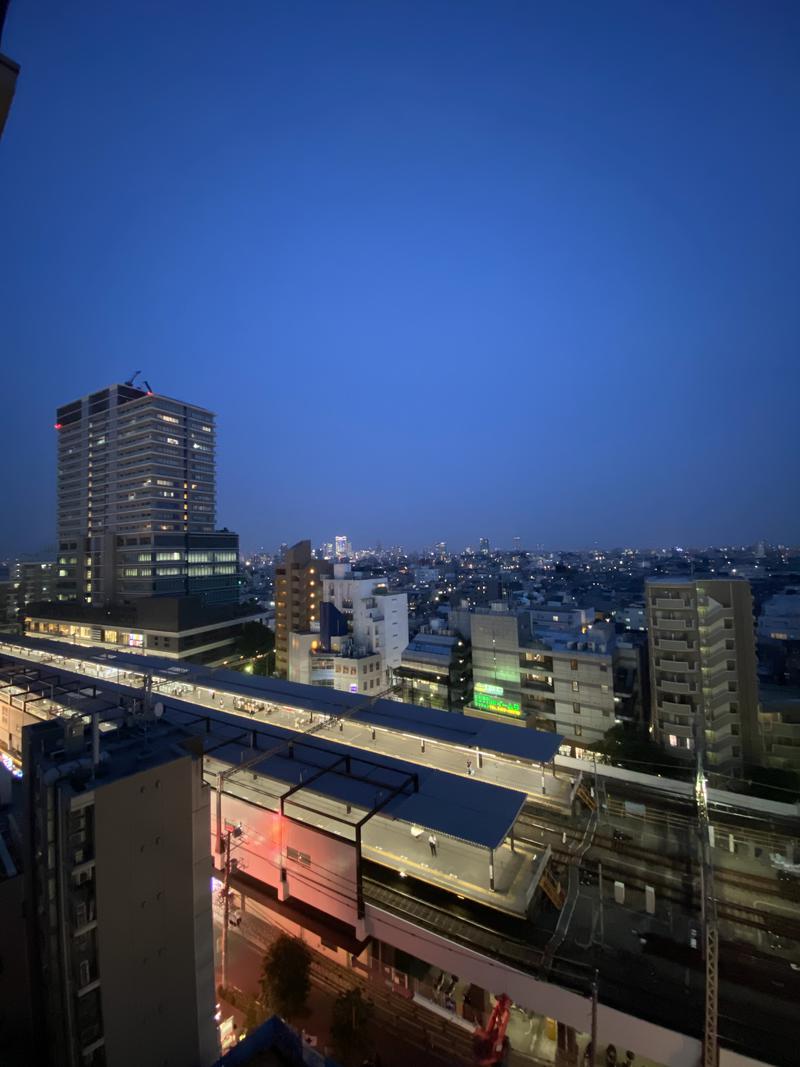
(137, 500)
(779, 727)
(117, 892)
(703, 669)
(34, 581)
(548, 679)
(298, 595)
(373, 620)
(343, 629)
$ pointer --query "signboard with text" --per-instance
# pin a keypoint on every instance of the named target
(487, 702)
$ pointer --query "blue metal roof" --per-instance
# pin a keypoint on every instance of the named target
(476, 812)
(449, 727)
(456, 728)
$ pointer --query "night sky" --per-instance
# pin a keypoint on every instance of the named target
(443, 270)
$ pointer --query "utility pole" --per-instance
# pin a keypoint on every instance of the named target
(708, 900)
(230, 834)
(226, 911)
(593, 1042)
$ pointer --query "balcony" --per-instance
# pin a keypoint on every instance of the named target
(674, 666)
(676, 687)
(678, 728)
(670, 604)
(666, 644)
(674, 708)
(662, 622)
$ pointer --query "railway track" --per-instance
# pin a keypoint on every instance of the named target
(603, 840)
(675, 879)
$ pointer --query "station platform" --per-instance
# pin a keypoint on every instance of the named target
(496, 875)
(458, 867)
(389, 728)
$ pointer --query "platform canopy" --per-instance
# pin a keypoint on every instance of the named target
(448, 727)
(473, 811)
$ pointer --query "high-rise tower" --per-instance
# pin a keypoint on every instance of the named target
(136, 501)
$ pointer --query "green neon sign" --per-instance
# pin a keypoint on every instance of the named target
(491, 690)
(486, 702)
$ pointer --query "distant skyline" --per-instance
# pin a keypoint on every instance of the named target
(443, 270)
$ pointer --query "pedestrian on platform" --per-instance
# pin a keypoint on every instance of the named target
(433, 843)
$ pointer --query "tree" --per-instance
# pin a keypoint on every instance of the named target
(285, 977)
(629, 748)
(256, 643)
(351, 1031)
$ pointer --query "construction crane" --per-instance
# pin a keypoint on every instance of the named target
(490, 1043)
(132, 380)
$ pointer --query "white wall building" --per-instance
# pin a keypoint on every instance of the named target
(377, 620)
(557, 616)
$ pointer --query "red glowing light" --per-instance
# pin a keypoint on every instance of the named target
(58, 426)
(149, 392)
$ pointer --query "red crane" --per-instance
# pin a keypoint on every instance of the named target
(489, 1042)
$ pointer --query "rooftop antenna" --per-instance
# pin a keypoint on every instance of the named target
(147, 387)
(133, 378)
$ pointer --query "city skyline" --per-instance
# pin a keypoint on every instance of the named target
(400, 552)
(553, 257)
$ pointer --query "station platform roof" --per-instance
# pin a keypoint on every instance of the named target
(478, 813)
(447, 727)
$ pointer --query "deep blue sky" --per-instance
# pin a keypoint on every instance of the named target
(444, 270)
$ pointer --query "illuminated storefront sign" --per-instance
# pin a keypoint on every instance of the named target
(490, 690)
(486, 702)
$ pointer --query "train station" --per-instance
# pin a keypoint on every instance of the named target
(379, 833)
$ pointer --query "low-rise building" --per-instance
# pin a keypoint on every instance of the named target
(548, 679)
(780, 616)
(436, 671)
(181, 628)
(779, 725)
(632, 617)
(558, 615)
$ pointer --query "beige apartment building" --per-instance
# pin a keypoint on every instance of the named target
(547, 679)
(703, 669)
